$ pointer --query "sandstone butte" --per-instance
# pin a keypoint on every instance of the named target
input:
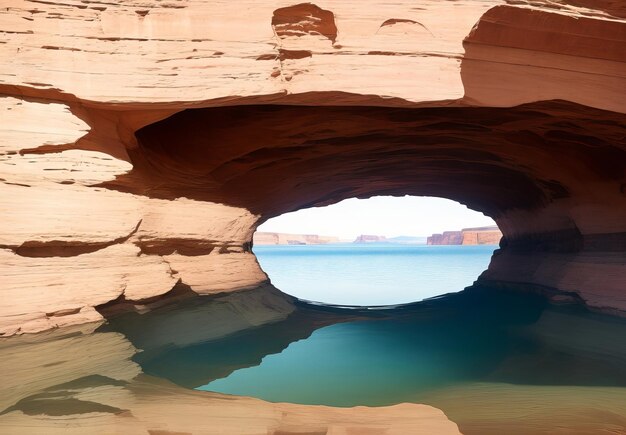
(141, 144)
(467, 236)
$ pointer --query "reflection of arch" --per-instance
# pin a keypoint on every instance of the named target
(176, 346)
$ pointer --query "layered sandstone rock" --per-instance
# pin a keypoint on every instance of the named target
(467, 236)
(141, 144)
(446, 238)
(269, 238)
(482, 236)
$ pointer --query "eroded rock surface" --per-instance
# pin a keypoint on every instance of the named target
(142, 143)
(138, 156)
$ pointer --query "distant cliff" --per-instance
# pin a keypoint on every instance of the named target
(408, 240)
(364, 238)
(446, 238)
(467, 236)
(263, 238)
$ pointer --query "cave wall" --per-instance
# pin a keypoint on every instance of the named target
(140, 146)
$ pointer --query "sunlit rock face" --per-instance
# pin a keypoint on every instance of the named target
(140, 146)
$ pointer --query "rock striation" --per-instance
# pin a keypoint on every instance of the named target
(446, 238)
(142, 144)
(269, 238)
(467, 236)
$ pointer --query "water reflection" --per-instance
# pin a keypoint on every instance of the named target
(488, 359)
(324, 355)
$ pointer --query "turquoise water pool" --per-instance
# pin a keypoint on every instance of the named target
(491, 360)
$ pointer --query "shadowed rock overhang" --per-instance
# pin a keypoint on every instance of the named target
(137, 156)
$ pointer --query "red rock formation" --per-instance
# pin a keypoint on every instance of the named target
(142, 143)
(481, 236)
(467, 236)
(446, 238)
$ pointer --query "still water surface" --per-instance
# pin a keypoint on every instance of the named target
(414, 353)
(494, 362)
(491, 360)
(372, 274)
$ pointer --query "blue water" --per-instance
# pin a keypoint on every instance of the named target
(440, 352)
(376, 274)
(360, 363)
(490, 359)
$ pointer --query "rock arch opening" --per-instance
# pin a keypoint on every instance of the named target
(113, 193)
(546, 172)
(379, 251)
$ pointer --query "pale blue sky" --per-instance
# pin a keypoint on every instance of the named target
(381, 215)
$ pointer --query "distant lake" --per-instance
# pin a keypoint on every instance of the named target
(372, 274)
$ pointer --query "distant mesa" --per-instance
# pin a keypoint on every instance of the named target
(364, 238)
(408, 240)
(267, 238)
(468, 236)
